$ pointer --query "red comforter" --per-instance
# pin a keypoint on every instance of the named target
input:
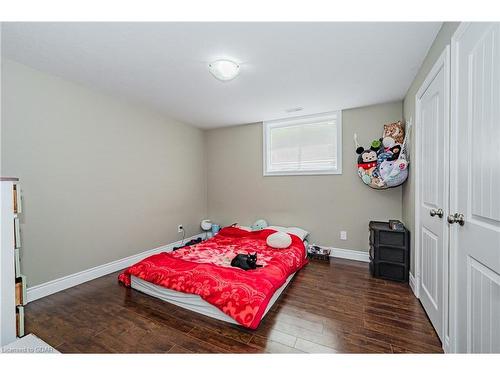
(204, 269)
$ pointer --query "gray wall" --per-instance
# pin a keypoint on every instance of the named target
(324, 205)
(102, 179)
(442, 39)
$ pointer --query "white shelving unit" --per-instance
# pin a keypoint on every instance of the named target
(12, 306)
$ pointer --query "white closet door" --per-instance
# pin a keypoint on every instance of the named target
(475, 193)
(432, 105)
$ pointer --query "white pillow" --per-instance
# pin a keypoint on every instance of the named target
(279, 240)
(299, 232)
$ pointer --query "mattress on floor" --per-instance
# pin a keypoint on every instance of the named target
(194, 302)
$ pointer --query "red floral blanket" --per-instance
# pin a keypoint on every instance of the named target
(204, 269)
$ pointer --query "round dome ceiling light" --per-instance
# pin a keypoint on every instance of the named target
(224, 70)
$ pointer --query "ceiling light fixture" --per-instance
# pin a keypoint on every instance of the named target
(224, 70)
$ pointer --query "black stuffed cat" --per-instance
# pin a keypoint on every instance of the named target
(245, 261)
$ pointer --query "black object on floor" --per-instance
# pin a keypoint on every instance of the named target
(189, 243)
(389, 252)
(319, 253)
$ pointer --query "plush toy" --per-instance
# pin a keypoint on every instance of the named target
(388, 142)
(385, 169)
(396, 131)
(393, 173)
(377, 183)
(365, 177)
(259, 224)
(383, 156)
(367, 159)
(384, 164)
(395, 150)
(376, 145)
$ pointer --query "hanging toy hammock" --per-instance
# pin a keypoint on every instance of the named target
(385, 163)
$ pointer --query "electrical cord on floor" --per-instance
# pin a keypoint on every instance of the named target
(183, 235)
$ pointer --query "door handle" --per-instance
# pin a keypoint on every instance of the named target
(439, 212)
(457, 218)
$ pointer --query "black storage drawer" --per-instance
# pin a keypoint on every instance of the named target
(391, 271)
(389, 252)
(392, 238)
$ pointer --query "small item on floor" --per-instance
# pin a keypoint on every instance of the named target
(189, 243)
(319, 253)
(245, 261)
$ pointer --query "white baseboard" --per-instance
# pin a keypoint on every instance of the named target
(413, 284)
(361, 256)
(54, 286)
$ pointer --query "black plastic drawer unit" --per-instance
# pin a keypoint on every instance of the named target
(389, 252)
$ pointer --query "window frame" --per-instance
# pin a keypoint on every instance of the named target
(281, 123)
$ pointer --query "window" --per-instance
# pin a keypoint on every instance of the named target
(303, 145)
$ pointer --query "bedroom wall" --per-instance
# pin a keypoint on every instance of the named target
(102, 179)
(325, 205)
(442, 39)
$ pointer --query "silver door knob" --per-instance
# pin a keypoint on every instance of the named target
(436, 212)
(457, 218)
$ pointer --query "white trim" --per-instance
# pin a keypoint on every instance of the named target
(442, 63)
(446, 345)
(414, 283)
(453, 318)
(7, 271)
(359, 255)
(65, 282)
(267, 125)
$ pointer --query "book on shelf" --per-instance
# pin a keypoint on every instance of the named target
(17, 262)
(19, 293)
(16, 195)
(24, 289)
(17, 233)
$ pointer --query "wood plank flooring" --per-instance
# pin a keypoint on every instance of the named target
(327, 308)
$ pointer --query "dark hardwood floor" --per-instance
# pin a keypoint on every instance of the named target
(328, 308)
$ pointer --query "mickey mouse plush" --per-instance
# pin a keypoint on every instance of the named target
(367, 159)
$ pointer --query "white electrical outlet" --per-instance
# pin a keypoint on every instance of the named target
(180, 228)
(343, 235)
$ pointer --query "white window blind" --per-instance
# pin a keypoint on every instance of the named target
(304, 145)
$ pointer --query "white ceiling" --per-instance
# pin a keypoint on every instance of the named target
(317, 66)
